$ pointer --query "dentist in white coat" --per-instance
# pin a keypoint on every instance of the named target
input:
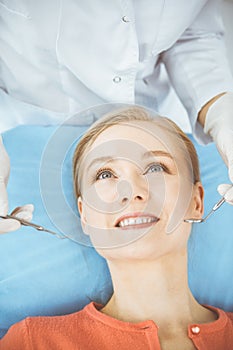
(60, 57)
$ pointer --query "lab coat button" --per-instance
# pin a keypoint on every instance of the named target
(125, 19)
(117, 79)
(195, 330)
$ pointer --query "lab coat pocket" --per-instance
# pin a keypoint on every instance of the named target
(15, 7)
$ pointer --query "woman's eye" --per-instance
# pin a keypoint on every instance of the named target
(155, 168)
(104, 175)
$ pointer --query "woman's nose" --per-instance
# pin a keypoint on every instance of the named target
(136, 190)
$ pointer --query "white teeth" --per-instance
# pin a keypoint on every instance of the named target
(130, 221)
(136, 221)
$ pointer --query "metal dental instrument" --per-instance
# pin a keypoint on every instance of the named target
(215, 207)
(28, 223)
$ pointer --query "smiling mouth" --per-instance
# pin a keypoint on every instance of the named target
(137, 222)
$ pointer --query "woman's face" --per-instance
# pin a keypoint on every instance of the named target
(136, 191)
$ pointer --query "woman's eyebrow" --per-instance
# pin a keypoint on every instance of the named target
(157, 153)
(101, 160)
(147, 154)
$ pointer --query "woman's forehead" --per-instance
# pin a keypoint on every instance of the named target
(134, 141)
(143, 133)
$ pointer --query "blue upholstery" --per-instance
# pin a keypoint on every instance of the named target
(41, 274)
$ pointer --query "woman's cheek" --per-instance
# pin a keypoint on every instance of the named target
(178, 199)
(157, 189)
(106, 191)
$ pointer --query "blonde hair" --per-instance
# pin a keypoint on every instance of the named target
(120, 116)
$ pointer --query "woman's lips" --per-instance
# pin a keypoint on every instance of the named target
(136, 220)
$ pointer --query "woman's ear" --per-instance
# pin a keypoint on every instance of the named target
(80, 206)
(82, 214)
(198, 201)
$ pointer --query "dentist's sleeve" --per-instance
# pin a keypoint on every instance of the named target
(197, 64)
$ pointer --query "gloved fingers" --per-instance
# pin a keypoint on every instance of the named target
(230, 172)
(24, 212)
(224, 143)
(4, 174)
(8, 225)
(3, 198)
(226, 190)
(4, 163)
(230, 165)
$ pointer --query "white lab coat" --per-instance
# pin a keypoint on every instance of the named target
(61, 56)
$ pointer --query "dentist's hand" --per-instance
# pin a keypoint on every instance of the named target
(226, 191)
(219, 125)
(24, 212)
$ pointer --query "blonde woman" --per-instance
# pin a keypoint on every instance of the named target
(136, 179)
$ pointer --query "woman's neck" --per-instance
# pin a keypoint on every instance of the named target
(154, 290)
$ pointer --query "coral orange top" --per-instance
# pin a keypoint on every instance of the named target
(90, 329)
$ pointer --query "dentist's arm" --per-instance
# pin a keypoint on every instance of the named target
(24, 212)
(197, 65)
(199, 71)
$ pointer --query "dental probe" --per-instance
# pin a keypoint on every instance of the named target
(28, 223)
(215, 207)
